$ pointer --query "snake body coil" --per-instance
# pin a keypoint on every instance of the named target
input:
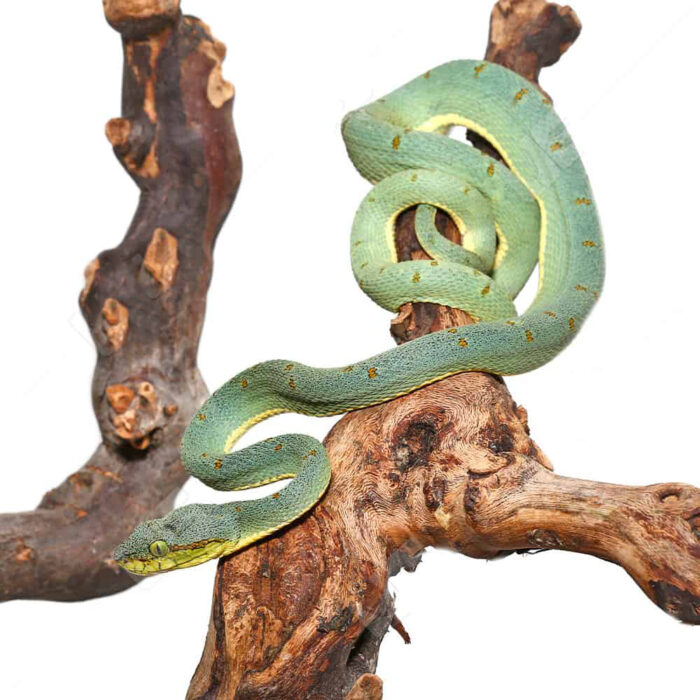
(538, 209)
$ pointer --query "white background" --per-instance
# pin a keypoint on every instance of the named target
(619, 405)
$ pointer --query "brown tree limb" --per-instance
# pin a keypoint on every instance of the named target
(302, 614)
(451, 466)
(144, 303)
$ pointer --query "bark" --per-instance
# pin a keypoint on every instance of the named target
(144, 302)
(302, 614)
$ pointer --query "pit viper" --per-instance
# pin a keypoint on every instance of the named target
(533, 205)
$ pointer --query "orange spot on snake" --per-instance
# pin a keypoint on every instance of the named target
(485, 290)
(556, 146)
(582, 200)
(201, 416)
(491, 170)
(372, 372)
(288, 367)
(244, 383)
(589, 244)
(463, 343)
(451, 330)
(395, 143)
(349, 368)
(275, 495)
(551, 313)
(427, 75)
(581, 288)
(478, 69)
(416, 277)
(292, 385)
(217, 464)
(529, 336)
(520, 94)
(278, 447)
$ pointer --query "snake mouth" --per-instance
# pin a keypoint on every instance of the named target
(179, 557)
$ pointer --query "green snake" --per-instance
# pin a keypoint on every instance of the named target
(536, 209)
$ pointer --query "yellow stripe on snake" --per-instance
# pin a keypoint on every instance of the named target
(538, 208)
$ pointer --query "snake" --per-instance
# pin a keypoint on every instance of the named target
(529, 205)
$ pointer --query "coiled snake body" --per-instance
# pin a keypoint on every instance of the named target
(538, 209)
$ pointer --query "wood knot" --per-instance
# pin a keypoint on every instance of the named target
(148, 394)
(120, 397)
(134, 142)
(497, 437)
(134, 18)
(138, 413)
(116, 316)
(23, 554)
(118, 131)
(413, 443)
(162, 258)
(125, 425)
(367, 687)
(90, 274)
(219, 90)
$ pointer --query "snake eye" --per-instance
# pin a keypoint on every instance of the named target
(159, 548)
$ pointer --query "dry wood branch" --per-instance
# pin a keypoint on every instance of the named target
(448, 466)
(302, 614)
(144, 303)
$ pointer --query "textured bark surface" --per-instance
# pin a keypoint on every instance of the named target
(144, 303)
(303, 613)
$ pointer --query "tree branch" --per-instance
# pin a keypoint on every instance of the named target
(144, 303)
(451, 465)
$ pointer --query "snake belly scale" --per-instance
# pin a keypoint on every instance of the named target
(536, 209)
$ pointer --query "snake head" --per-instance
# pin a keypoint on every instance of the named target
(186, 537)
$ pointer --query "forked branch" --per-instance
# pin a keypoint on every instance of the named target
(144, 303)
(302, 614)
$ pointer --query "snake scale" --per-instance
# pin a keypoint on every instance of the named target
(537, 208)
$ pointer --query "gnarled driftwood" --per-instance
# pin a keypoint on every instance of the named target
(303, 613)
